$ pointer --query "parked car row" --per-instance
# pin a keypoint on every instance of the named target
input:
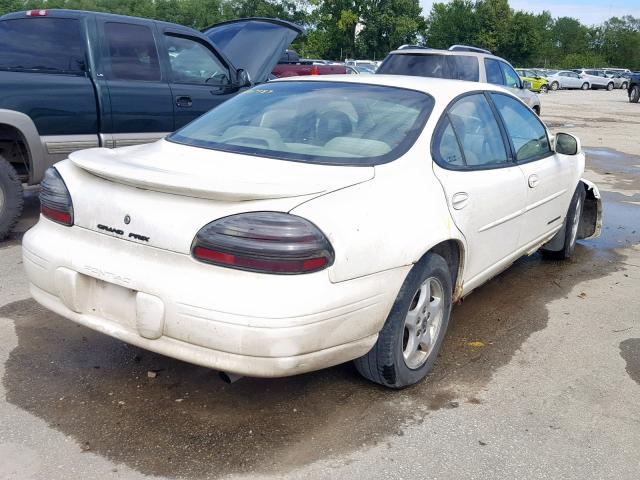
(582, 78)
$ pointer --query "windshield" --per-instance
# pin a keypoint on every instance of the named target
(317, 122)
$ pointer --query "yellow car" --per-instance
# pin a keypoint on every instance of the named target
(538, 83)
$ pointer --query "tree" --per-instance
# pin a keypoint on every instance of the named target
(451, 23)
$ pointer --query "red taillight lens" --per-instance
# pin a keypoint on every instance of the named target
(37, 13)
(267, 242)
(55, 201)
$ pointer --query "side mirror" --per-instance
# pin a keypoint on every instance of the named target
(243, 78)
(526, 85)
(567, 144)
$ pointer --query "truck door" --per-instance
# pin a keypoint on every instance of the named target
(140, 97)
(199, 79)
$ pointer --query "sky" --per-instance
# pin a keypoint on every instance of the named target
(589, 12)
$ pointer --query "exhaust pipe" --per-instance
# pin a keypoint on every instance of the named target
(229, 377)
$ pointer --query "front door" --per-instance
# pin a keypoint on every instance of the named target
(484, 188)
(140, 97)
(199, 79)
(548, 175)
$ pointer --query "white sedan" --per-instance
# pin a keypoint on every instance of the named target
(309, 222)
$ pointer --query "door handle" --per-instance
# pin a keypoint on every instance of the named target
(533, 181)
(459, 200)
(184, 101)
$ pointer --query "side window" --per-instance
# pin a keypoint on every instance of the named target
(192, 62)
(464, 67)
(447, 146)
(494, 74)
(132, 52)
(42, 44)
(472, 126)
(528, 135)
(510, 76)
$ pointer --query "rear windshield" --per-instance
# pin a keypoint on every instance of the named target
(316, 122)
(455, 67)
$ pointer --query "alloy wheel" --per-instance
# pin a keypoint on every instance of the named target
(423, 322)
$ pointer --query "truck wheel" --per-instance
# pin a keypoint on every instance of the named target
(572, 224)
(10, 198)
(555, 86)
(634, 94)
(585, 86)
(610, 86)
(412, 335)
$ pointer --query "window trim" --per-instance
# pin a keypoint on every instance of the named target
(439, 129)
(514, 157)
(169, 33)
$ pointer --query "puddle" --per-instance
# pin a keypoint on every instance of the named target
(188, 423)
(630, 352)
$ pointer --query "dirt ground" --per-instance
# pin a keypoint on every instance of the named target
(539, 376)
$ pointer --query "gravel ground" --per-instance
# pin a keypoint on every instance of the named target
(539, 376)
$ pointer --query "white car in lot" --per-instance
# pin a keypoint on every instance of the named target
(309, 222)
(566, 79)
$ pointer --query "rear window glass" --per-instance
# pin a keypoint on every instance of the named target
(456, 67)
(316, 122)
(42, 44)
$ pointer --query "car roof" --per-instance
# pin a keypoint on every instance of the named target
(436, 87)
(437, 51)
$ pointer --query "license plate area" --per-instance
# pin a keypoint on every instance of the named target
(113, 302)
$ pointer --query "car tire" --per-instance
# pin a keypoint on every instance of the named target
(634, 94)
(571, 228)
(11, 200)
(555, 86)
(624, 86)
(610, 86)
(544, 89)
(409, 342)
(585, 86)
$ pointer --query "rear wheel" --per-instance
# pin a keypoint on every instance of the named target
(634, 94)
(572, 224)
(624, 86)
(412, 335)
(544, 89)
(610, 86)
(585, 86)
(10, 198)
(555, 86)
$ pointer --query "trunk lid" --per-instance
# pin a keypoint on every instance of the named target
(254, 44)
(162, 194)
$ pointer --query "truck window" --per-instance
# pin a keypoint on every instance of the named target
(42, 44)
(132, 52)
(192, 62)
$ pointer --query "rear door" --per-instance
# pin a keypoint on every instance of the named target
(485, 190)
(199, 78)
(141, 100)
(548, 175)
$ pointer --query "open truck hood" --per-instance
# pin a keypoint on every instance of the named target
(254, 44)
(168, 167)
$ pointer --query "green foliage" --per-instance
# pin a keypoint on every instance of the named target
(338, 29)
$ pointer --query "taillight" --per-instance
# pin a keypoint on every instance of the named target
(55, 201)
(267, 242)
(37, 13)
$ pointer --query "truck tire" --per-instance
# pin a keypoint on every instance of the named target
(634, 94)
(10, 198)
(412, 335)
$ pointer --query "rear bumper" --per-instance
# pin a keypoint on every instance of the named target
(241, 322)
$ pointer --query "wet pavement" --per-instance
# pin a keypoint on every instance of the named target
(186, 423)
